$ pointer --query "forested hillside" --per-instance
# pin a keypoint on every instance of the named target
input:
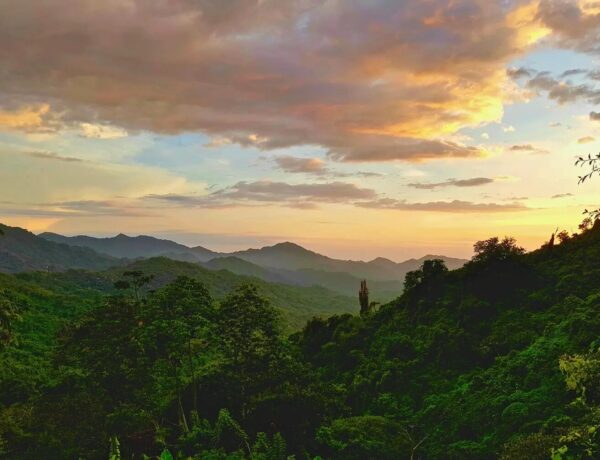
(21, 250)
(124, 246)
(498, 359)
(286, 263)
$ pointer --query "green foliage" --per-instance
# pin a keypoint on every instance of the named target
(297, 304)
(9, 314)
(582, 439)
(357, 438)
(495, 250)
(498, 359)
(21, 250)
(430, 271)
(114, 450)
(535, 446)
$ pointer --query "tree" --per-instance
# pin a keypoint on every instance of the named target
(582, 375)
(430, 270)
(496, 250)
(134, 280)
(177, 319)
(126, 364)
(593, 162)
(9, 314)
(249, 338)
(367, 436)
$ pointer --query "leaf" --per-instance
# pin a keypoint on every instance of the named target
(166, 455)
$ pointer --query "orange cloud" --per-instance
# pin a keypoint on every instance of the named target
(379, 81)
(27, 118)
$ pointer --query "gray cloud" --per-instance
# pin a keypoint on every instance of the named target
(82, 208)
(278, 193)
(570, 25)
(520, 72)
(268, 73)
(561, 195)
(595, 116)
(526, 148)
(455, 206)
(473, 182)
(585, 140)
(102, 208)
(317, 167)
(292, 164)
(332, 192)
(308, 196)
(368, 174)
(52, 156)
(390, 149)
(571, 72)
(563, 92)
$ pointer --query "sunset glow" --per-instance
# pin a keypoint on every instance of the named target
(357, 129)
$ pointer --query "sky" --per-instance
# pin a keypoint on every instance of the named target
(356, 129)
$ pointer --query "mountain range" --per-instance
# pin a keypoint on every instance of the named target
(21, 251)
(284, 263)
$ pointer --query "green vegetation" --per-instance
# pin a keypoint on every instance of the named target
(21, 250)
(297, 304)
(284, 263)
(499, 359)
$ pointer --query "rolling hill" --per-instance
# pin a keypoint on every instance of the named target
(296, 303)
(21, 250)
(133, 247)
(286, 263)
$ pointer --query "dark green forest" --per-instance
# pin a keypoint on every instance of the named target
(498, 359)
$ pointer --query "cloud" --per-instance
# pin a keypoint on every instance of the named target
(307, 196)
(390, 149)
(272, 193)
(561, 195)
(103, 208)
(455, 206)
(561, 91)
(96, 131)
(52, 156)
(83, 208)
(26, 118)
(508, 129)
(520, 72)
(292, 164)
(595, 116)
(571, 72)
(317, 167)
(585, 140)
(268, 74)
(35, 176)
(368, 174)
(218, 141)
(574, 24)
(473, 182)
(526, 148)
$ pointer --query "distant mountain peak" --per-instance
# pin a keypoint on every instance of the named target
(381, 260)
(132, 247)
(288, 245)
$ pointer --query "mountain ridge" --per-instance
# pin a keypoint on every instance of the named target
(21, 250)
(285, 262)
